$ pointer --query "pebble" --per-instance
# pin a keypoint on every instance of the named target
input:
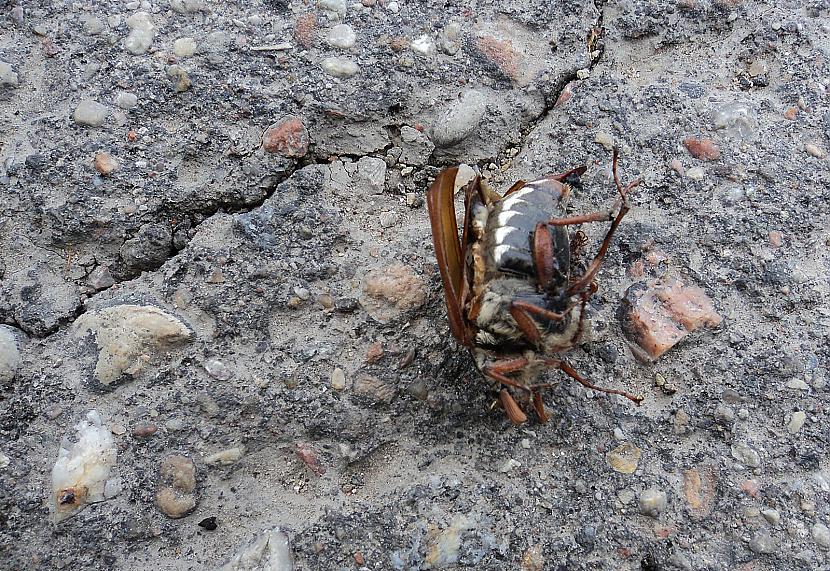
(393, 7)
(624, 458)
(791, 113)
(371, 174)
(796, 421)
(653, 502)
(387, 219)
(129, 336)
(176, 492)
(336, 6)
(305, 29)
(396, 287)
(660, 313)
(814, 151)
(126, 100)
(338, 379)
(217, 369)
(105, 163)
(758, 67)
(341, 36)
(604, 139)
(5, 461)
(225, 457)
(776, 239)
(772, 516)
(184, 47)
(144, 429)
(141, 33)
(374, 352)
(703, 149)
(90, 113)
(821, 535)
(416, 148)
(10, 358)
(8, 77)
(509, 465)
(798, 384)
(502, 55)
(374, 389)
(269, 551)
(695, 173)
(92, 25)
(450, 39)
(736, 120)
(422, 45)
(700, 487)
(339, 67)
(746, 455)
(762, 542)
(444, 549)
(459, 119)
(81, 474)
(288, 137)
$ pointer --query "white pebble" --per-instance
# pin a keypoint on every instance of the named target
(653, 502)
(695, 173)
(388, 219)
(798, 385)
(393, 7)
(90, 113)
(184, 47)
(336, 6)
(814, 151)
(796, 421)
(338, 379)
(339, 67)
(141, 35)
(341, 36)
(126, 100)
(423, 45)
(821, 535)
(7, 75)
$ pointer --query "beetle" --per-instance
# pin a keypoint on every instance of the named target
(509, 281)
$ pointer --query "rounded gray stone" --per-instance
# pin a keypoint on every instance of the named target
(460, 119)
(91, 113)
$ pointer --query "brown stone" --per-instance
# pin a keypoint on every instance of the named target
(310, 458)
(791, 113)
(105, 163)
(144, 429)
(699, 487)
(703, 149)
(305, 29)
(289, 138)
(776, 239)
(660, 313)
(176, 496)
(398, 285)
(375, 352)
(501, 54)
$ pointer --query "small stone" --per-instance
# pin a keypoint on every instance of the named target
(130, 336)
(176, 492)
(659, 313)
(371, 174)
(141, 33)
(90, 113)
(105, 163)
(269, 551)
(460, 119)
(8, 77)
(359, 558)
(798, 384)
(700, 487)
(444, 549)
(746, 455)
(653, 502)
(338, 379)
(624, 458)
(10, 358)
(501, 54)
(416, 148)
(821, 535)
(305, 29)
(388, 219)
(776, 239)
(126, 100)
(695, 173)
(604, 139)
(677, 167)
(209, 523)
(302, 293)
(796, 421)
(336, 6)
(814, 151)
(423, 45)
(179, 75)
(762, 542)
(184, 47)
(533, 559)
(509, 465)
(341, 36)
(217, 369)
(450, 40)
(375, 352)
(393, 289)
(736, 120)
(4, 461)
(225, 457)
(464, 176)
(772, 516)
(144, 429)
(393, 7)
(791, 113)
(339, 67)
(288, 137)
(117, 429)
(703, 149)
(92, 25)
(724, 414)
(751, 487)
(374, 389)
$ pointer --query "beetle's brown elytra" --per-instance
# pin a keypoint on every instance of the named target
(512, 294)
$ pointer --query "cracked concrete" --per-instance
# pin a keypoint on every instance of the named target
(345, 425)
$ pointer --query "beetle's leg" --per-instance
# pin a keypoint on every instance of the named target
(540, 311)
(583, 218)
(568, 370)
(539, 406)
(511, 409)
(525, 323)
(498, 371)
(584, 297)
(622, 190)
(578, 243)
(560, 177)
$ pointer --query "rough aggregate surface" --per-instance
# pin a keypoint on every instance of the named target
(251, 171)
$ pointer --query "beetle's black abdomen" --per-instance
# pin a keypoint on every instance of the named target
(512, 223)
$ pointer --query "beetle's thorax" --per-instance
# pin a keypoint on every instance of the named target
(503, 270)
